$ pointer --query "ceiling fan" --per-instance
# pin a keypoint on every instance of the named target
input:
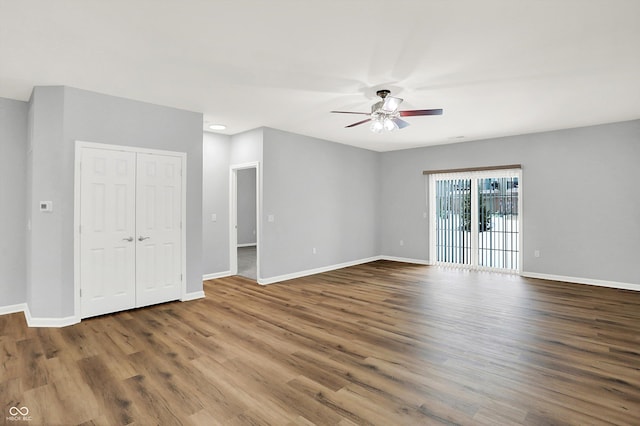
(384, 114)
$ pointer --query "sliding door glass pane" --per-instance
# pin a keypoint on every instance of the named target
(453, 221)
(498, 237)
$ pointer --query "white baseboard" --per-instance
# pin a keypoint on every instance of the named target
(247, 245)
(215, 275)
(49, 322)
(65, 321)
(12, 309)
(577, 280)
(405, 260)
(193, 296)
(38, 322)
(279, 278)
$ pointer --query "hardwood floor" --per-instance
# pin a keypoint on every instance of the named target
(383, 343)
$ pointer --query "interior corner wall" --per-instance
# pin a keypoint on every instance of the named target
(13, 188)
(321, 195)
(63, 115)
(579, 186)
(220, 152)
(44, 237)
(215, 203)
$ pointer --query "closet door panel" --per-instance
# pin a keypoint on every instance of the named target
(158, 222)
(107, 231)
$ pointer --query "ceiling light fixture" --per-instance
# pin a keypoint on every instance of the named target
(383, 121)
(385, 114)
(376, 125)
(217, 126)
(389, 125)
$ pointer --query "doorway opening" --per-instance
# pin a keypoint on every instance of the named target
(476, 219)
(244, 232)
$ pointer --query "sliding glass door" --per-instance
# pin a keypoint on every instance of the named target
(475, 219)
(499, 223)
(453, 217)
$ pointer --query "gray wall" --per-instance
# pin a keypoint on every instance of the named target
(580, 202)
(13, 165)
(62, 115)
(246, 185)
(246, 147)
(321, 194)
(215, 200)
(48, 285)
(579, 194)
(221, 152)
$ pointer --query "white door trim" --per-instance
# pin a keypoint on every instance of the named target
(233, 215)
(80, 145)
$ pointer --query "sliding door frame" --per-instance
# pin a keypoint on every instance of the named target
(474, 174)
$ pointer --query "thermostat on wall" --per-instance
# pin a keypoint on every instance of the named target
(46, 206)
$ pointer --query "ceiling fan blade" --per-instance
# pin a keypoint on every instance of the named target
(391, 104)
(413, 112)
(358, 123)
(400, 123)
(351, 112)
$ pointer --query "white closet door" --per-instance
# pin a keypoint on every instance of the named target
(158, 222)
(107, 220)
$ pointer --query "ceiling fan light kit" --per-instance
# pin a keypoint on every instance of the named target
(388, 122)
(385, 115)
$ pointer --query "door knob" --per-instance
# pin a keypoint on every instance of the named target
(141, 238)
(128, 239)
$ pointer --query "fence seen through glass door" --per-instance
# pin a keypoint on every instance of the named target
(453, 218)
(477, 222)
(498, 236)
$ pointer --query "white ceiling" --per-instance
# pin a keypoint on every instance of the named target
(496, 67)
